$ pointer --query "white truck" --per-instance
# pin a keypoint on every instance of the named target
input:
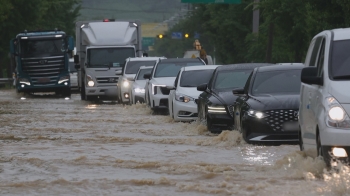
(102, 48)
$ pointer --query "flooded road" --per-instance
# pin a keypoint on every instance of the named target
(53, 146)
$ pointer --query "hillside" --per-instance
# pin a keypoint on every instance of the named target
(147, 11)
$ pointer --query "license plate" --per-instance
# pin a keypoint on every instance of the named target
(291, 126)
(44, 80)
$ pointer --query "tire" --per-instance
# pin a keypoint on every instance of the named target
(90, 98)
(244, 133)
(301, 142)
(319, 146)
(172, 111)
(209, 124)
(67, 93)
(82, 92)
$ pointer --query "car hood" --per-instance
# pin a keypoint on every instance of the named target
(337, 90)
(189, 91)
(168, 81)
(139, 83)
(274, 102)
(225, 97)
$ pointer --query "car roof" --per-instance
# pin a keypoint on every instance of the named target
(279, 68)
(242, 66)
(200, 67)
(144, 58)
(175, 60)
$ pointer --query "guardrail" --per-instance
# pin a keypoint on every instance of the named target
(6, 80)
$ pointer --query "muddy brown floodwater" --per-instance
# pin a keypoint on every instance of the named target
(53, 146)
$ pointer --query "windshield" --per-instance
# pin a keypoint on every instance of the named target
(72, 67)
(231, 79)
(133, 66)
(195, 78)
(108, 57)
(172, 69)
(143, 72)
(340, 66)
(36, 47)
(277, 82)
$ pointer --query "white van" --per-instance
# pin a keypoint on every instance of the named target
(325, 96)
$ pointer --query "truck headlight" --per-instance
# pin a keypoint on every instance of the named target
(90, 81)
(257, 114)
(63, 79)
(336, 115)
(183, 98)
(126, 83)
(24, 81)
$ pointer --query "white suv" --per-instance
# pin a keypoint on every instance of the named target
(164, 74)
(325, 97)
(130, 68)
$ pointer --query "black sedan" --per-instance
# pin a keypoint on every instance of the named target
(267, 107)
(215, 104)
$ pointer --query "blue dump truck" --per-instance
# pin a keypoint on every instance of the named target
(40, 61)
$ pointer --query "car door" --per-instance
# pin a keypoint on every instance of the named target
(307, 107)
(240, 102)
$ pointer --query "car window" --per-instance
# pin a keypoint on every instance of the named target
(172, 69)
(340, 60)
(143, 72)
(277, 82)
(320, 61)
(195, 78)
(314, 52)
(231, 79)
(133, 66)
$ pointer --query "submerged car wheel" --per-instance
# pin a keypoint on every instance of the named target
(82, 92)
(244, 133)
(319, 146)
(301, 143)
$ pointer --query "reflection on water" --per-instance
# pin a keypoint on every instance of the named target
(91, 106)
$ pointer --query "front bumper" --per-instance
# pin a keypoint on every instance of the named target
(185, 111)
(159, 101)
(102, 91)
(258, 130)
(43, 88)
(138, 97)
(223, 120)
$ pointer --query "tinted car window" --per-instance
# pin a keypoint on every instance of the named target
(195, 78)
(230, 79)
(133, 66)
(340, 65)
(277, 82)
(171, 69)
(142, 72)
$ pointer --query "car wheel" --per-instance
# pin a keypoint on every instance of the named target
(319, 146)
(172, 111)
(82, 92)
(301, 143)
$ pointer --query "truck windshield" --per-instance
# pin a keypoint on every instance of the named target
(108, 57)
(340, 67)
(133, 66)
(39, 47)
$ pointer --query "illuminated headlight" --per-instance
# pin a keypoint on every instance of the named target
(216, 109)
(90, 81)
(257, 114)
(183, 98)
(126, 83)
(24, 81)
(339, 152)
(139, 90)
(63, 79)
(337, 117)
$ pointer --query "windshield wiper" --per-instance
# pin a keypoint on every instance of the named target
(342, 77)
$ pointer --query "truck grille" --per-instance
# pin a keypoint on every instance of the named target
(164, 91)
(43, 71)
(276, 118)
(107, 80)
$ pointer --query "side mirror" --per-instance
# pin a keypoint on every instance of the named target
(170, 87)
(76, 59)
(309, 76)
(118, 72)
(70, 43)
(238, 91)
(145, 54)
(77, 66)
(147, 76)
(202, 87)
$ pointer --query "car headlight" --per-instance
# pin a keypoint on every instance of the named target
(90, 81)
(63, 79)
(257, 114)
(216, 109)
(183, 98)
(24, 81)
(139, 90)
(126, 83)
(336, 115)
